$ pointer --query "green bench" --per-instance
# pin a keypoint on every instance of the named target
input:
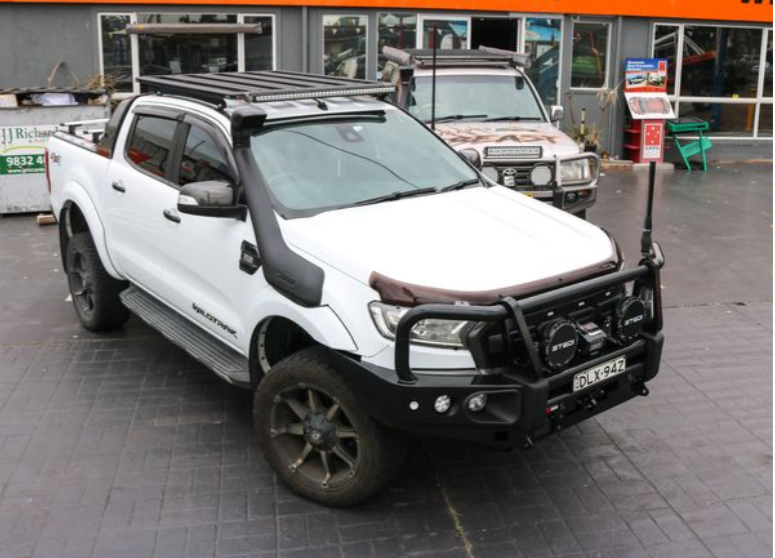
(693, 126)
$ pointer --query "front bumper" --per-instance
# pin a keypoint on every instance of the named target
(524, 404)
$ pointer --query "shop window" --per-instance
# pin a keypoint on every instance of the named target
(187, 53)
(768, 72)
(589, 64)
(725, 119)
(344, 45)
(397, 30)
(765, 120)
(666, 46)
(151, 144)
(450, 32)
(116, 52)
(720, 61)
(543, 39)
(259, 46)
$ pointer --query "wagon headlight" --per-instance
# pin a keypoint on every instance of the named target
(437, 333)
(578, 171)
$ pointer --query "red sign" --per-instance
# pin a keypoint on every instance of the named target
(652, 141)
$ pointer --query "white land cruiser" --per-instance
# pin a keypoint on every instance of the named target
(311, 242)
(485, 103)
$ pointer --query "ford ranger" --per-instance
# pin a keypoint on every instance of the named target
(307, 240)
(482, 100)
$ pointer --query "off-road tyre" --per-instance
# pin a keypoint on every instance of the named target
(286, 426)
(94, 292)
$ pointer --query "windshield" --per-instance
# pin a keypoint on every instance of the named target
(313, 166)
(475, 97)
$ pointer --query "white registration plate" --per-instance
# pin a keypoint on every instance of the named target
(599, 373)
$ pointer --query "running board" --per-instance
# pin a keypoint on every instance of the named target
(221, 359)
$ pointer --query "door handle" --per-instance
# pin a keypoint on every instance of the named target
(119, 187)
(171, 215)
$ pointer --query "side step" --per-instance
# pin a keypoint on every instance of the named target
(219, 358)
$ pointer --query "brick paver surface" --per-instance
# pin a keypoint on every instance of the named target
(122, 446)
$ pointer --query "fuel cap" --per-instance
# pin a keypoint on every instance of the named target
(560, 343)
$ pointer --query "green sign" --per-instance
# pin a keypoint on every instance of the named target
(23, 164)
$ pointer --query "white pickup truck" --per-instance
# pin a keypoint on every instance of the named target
(307, 240)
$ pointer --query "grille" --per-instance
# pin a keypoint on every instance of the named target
(521, 173)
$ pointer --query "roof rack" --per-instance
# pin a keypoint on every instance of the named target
(445, 58)
(265, 86)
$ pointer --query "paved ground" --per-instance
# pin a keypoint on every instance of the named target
(124, 447)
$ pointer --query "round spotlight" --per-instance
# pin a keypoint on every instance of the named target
(541, 175)
(491, 173)
(442, 404)
(631, 315)
(560, 344)
(477, 402)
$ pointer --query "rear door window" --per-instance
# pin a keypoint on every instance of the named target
(150, 148)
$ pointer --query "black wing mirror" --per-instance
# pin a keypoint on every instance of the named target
(472, 157)
(211, 198)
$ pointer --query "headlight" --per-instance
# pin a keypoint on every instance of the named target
(576, 171)
(437, 333)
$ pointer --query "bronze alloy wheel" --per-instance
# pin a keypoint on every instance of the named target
(314, 437)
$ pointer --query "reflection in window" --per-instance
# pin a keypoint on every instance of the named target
(450, 33)
(187, 54)
(720, 61)
(151, 144)
(589, 65)
(543, 37)
(259, 46)
(116, 52)
(398, 30)
(765, 120)
(768, 73)
(202, 159)
(724, 119)
(344, 45)
(666, 46)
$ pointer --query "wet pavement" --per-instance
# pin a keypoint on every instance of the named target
(122, 446)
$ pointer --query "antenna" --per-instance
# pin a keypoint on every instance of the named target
(433, 78)
(645, 239)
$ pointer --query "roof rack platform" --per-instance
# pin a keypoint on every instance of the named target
(264, 86)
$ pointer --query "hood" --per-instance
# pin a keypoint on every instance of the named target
(477, 240)
(478, 135)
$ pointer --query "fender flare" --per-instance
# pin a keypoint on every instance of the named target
(75, 194)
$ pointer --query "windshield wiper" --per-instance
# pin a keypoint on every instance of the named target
(514, 118)
(397, 196)
(453, 117)
(460, 185)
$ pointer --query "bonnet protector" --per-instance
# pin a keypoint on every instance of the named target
(288, 272)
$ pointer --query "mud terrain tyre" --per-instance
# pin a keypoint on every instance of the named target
(94, 292)
(316, 436)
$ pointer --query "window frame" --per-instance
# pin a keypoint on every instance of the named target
(608, 46)
(170, 175)
(677, 98)
(241, 59)
(423, 16)
(522, 41)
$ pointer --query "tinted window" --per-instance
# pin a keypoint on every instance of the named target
(202, 159)
(151, 144)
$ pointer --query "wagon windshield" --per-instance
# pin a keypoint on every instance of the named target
(314, 166)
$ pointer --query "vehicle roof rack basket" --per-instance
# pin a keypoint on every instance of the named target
(475, 58)
(265, 86)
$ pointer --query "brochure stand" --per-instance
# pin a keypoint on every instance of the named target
(645, 90)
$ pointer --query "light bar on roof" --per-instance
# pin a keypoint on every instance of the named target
(319, 93)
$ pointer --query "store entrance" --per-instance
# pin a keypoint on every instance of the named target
(498, 32)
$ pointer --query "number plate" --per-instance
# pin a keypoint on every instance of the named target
(599, 373)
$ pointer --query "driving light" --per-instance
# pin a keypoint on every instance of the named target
(575, 171)
(541, 175)
(437, 333)
(491, 173)
(442, 404)
(631, 316)
(477, 402)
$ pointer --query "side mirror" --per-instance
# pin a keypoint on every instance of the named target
(472, 157)
(211, 198)
(556, 113)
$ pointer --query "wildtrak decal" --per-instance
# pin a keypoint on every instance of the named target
(206, 315)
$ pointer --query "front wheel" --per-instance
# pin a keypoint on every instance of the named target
(317, 438)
